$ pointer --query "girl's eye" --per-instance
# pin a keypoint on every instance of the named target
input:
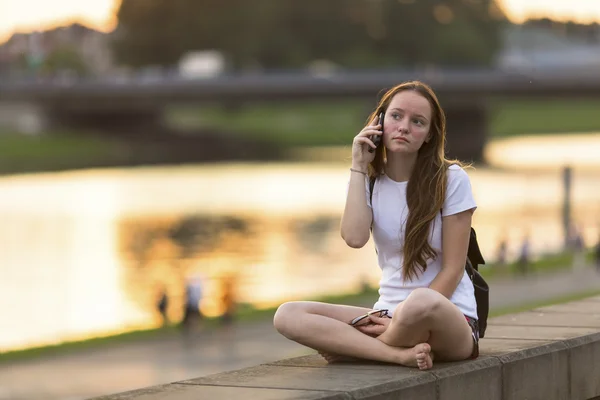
(418, 122)
(395, 116)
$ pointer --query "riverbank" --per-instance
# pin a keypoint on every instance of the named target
(320, 123)
(247, 313)
(260, 133)
(70, 150)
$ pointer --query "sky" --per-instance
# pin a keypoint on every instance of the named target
(28, 15)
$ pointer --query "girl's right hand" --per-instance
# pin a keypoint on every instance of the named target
(361, 157)
(376, 326)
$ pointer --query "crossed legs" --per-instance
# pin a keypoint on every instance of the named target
(426, 323)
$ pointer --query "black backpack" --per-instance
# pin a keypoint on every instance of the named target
(474, 259)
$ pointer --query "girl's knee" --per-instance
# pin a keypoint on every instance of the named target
(421, 304)
(425, 296)
(284, 316)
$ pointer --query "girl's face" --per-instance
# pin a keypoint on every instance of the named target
(407, 122)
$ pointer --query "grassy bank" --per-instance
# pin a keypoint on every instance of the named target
(335, 123)
(300, 124)
(54, 151)
(545, 264)
(513, 118)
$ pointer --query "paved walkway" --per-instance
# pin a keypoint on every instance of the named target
(120, 367)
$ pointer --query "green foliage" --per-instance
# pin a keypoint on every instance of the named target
(548, 263)
(297, 124)
(64, 58)
(334, 123)
(517, 117)
(291, 33)
(55, 150)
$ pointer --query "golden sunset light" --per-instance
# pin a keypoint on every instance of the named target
(29, 15)
(582, 11)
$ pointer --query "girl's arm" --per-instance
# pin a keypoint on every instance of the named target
(456, 231)
(358, 216)
(356, 220)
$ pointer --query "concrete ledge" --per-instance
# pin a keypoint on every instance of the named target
(546, 353)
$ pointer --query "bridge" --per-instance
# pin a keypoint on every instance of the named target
(137, 105)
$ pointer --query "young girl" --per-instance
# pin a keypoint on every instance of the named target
(420, 213)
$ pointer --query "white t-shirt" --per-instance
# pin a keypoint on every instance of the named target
(389, 222)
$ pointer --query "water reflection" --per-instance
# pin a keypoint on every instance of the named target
(87, 253)
(160, 253)
(536, 152)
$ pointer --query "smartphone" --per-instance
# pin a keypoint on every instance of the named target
(377, 138)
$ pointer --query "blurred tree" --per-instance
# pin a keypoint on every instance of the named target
(145, 34)
(291, 33)
(64, 59)
(454, 32)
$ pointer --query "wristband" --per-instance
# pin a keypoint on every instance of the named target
(359, 171)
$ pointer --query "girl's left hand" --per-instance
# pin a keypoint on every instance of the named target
(376, 326)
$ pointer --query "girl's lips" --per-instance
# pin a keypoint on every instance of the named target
(401, 139)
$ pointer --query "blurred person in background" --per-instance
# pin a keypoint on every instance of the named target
(524, 256)
(228, 299)
(163, 305)
(502, 252)
(420, 213)
(193, 295)
(578, 248)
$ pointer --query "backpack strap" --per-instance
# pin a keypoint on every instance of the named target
(473, 252)
(371, 187)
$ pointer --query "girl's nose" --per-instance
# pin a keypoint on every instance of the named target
(403, 127)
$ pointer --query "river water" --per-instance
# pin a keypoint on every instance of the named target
(86, 253)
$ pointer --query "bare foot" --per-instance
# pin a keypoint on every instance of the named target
(424, 356)
(419, 356)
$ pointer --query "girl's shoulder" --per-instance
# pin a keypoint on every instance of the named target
(457, 177)
(456, 171)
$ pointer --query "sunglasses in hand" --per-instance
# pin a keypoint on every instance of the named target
(364, 319)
